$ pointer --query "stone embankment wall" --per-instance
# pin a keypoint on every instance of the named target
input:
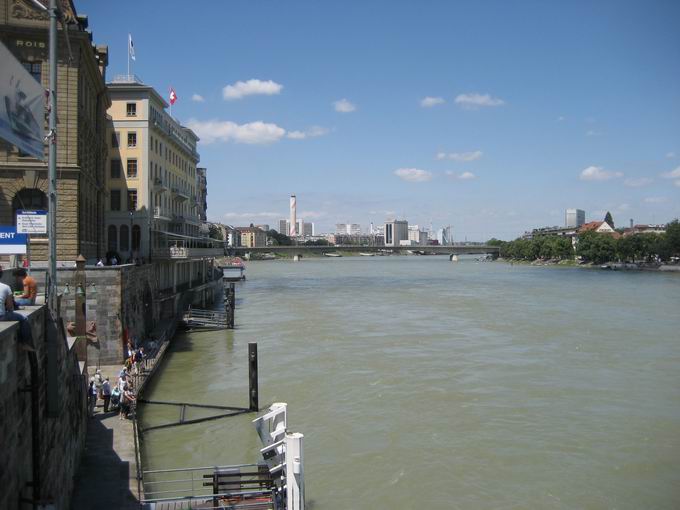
(60, 435)
(130, 301)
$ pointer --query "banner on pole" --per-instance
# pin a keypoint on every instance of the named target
(22, 106)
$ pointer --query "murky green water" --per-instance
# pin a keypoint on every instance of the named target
(421, 383)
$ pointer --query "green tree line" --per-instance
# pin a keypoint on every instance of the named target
(596, 248)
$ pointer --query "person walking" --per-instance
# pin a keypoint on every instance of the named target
(106, 394)
(91, 397)
(98, 382)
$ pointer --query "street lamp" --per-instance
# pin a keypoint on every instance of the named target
(132, 237)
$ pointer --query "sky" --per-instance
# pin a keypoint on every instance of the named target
(489, 116)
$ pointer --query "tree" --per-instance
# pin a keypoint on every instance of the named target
(608, 219)
(596, 248)
(673, 238)
(279, 239)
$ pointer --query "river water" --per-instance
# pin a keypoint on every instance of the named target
(419, 382)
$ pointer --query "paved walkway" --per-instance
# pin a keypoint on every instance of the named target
(107, 476)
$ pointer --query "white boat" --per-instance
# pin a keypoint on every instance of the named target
(332, 255)
(364, 254)
(454, 258)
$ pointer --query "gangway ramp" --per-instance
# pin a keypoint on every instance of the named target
(198, 318)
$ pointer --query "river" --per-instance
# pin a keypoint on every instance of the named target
(419, 382)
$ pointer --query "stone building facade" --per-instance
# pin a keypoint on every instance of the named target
(81, 130)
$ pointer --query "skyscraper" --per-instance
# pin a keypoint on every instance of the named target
(574, 218)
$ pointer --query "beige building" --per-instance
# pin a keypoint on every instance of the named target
(81, 133)
(152, 183)
(252, 237)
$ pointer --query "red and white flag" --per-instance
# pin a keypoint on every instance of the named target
(173, 96)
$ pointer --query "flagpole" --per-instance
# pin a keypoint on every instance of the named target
(128, 53)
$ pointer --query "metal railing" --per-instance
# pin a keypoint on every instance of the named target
(197, 486)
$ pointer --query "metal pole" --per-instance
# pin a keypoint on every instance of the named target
(252, 373)
(52, 166)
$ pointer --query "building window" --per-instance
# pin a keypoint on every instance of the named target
(112, 238)
(116, 169)
(136, 237)
(115, 200)
(115, 139)
(124, 238)
(34, 69)
(132, 168)
(132, 139)
(132, 199)
(131, 109)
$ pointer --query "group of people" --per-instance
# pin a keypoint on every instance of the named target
(121, 396)
(27, 291)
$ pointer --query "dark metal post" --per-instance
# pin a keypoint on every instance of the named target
(52, 166)
(230, 304)
(252, 373)
(80, 285)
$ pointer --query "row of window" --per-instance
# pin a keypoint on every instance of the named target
(131, 139)
(130, 168)
(115, 197)
(124, 244)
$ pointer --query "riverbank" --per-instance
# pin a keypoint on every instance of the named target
(616, 266)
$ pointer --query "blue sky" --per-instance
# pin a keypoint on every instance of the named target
(533, 106)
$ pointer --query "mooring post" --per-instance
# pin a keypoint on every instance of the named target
(252, 373)
(231, 305)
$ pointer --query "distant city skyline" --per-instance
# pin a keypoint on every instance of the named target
(492, 117)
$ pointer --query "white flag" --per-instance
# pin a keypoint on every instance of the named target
(131, 47)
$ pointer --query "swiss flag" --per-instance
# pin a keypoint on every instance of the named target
(173, 96)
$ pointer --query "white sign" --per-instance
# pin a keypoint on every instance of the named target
(32, 222)
(22, 106)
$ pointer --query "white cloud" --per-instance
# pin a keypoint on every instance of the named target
(623, 207)
(673, 174)
(198, 98)
(677, 183)
(248, 215)
(429, 102)
(670, 155)
(241, 89)
(460, 156)
(597, 173)
(226, 131)
(637, 182)
(475, 100)
(344, 106)
(655, 200)
(465, 176)
(413, 174)
(593, 132)
(312, 132)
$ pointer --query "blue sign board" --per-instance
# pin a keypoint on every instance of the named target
(12, 243)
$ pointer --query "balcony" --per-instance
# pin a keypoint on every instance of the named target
(160, 213)
(159, 186)
(180, 194)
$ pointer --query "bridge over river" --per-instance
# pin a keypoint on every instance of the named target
(477, 249)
